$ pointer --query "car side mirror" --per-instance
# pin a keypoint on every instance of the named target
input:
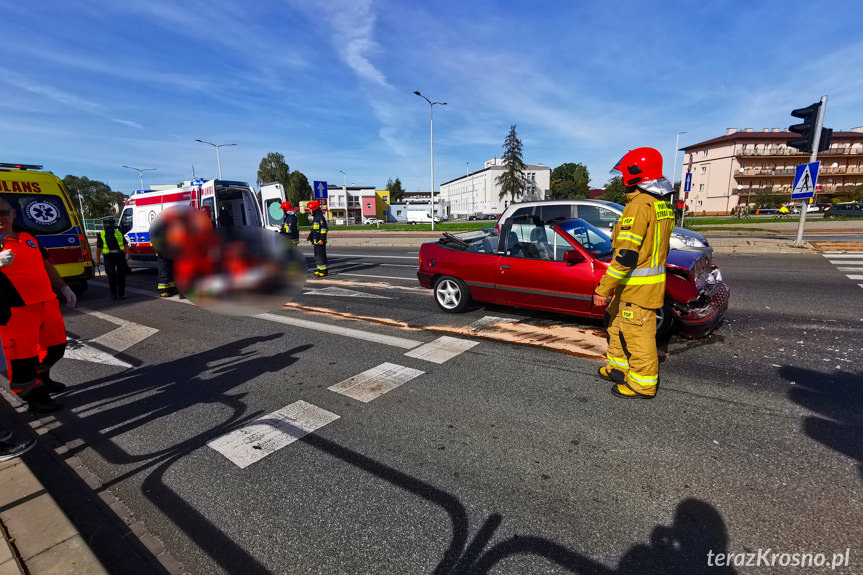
(573, 257)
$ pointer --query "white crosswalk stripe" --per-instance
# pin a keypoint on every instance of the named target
(272, 432)
(442, 349)
(841, 259)
(117, 340)
(375, 382)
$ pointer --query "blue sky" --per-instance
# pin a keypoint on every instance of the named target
(90, 85)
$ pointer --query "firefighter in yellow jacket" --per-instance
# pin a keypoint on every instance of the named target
(636, 276)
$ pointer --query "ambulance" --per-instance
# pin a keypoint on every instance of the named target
(44, 209)
(227, 203)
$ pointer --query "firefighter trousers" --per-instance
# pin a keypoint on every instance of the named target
(632, 346)
(165, 279)
(321, 259)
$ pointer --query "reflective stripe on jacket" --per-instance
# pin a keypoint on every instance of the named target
(119, 238)
(319, 227)
(645, 228)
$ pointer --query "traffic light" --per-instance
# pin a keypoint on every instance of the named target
(806, 128)
(826, 137)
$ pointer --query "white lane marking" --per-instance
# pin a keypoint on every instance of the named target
(442, 349)
(117, 340)
(489, 320)
(838, 252)
(125, 336)
(394, 341)
(847, 262)
(341, 292)
(844, 255)
(413, 279)
(855, 277)
(272, 432)
(366, 256)
(375, 382)
(76, 349)
(850, 269)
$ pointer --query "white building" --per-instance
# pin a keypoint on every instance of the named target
(479, 193)
(350, 205)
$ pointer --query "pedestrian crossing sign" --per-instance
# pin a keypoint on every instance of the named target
(805, 180)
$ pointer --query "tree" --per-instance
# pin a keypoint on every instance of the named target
(396, 192)
(298, 188)
(570, 181)
(511, 181)
(97, 197)
(273, 169)
(857, 194)
(615, 191)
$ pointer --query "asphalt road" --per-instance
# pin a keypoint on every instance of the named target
(502, 457)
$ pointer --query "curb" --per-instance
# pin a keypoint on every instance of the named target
(67, 522)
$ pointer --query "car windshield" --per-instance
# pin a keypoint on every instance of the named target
(594, 240)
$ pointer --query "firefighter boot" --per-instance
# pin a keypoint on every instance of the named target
(38, 401)
(51, 386)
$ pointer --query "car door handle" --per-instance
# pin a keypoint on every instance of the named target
(504, 267)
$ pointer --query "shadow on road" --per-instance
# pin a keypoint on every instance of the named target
(836, 400)
(119, 404)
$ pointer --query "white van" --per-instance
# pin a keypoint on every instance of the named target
(420, 217)
(228, 204)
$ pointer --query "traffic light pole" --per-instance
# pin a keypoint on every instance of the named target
(816, 142)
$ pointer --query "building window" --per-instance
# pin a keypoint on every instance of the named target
(742, 166)
(700, 187)
(703, 169)
(704, 153)
(385, 198)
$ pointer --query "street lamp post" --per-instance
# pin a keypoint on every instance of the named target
(140, 173)
(80, 200)
(345, 194)
(431, 109)
(674, 170)
(218, 158)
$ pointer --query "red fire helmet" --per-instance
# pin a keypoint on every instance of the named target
(639, 165)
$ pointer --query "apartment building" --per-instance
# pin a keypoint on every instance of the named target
(479, 193)
(348, 205)
(736, 168)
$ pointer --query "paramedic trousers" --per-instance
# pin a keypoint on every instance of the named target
(115, 268)
(34, 339)
(632, 345)
(321, 259)
(165, 269)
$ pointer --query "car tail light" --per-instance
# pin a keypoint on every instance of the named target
(85, 248)
(421, 258)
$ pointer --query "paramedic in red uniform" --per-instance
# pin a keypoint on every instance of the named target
(32, 330)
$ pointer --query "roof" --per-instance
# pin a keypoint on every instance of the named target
(770, 136)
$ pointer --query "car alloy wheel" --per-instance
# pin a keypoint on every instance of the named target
(451, 294)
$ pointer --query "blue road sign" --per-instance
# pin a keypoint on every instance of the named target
(320, 190)
(687, 186)
(805, 180)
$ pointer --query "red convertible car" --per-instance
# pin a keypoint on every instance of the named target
(554, 266)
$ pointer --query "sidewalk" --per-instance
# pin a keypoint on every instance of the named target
(56, 518)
